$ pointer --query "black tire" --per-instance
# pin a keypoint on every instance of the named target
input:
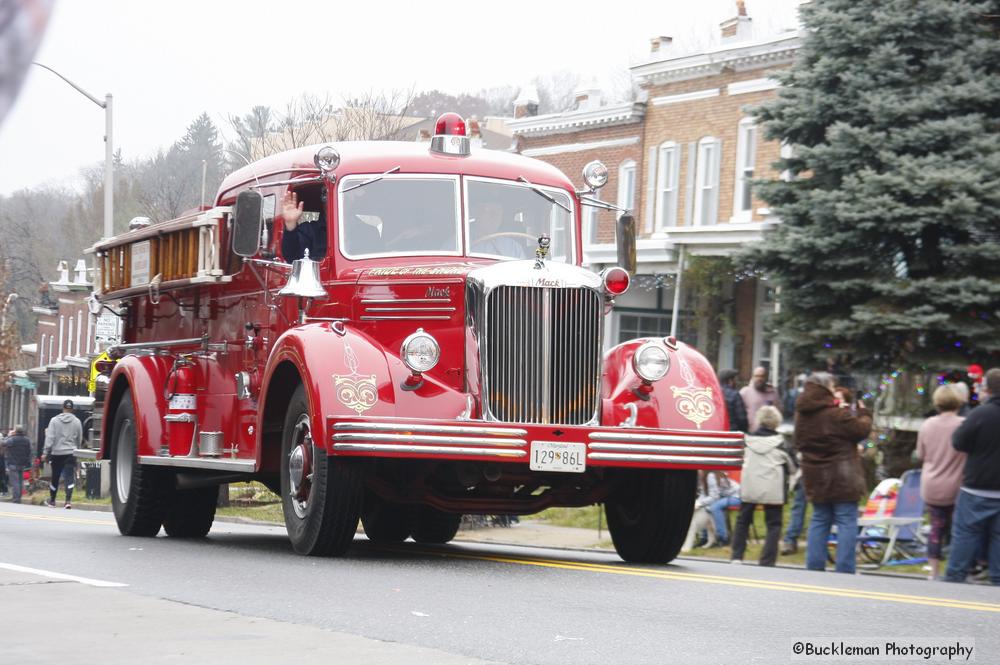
(385, 522)
(138, 493)
(649, 514)
(322, 515)
(433, 527)
(190, 513)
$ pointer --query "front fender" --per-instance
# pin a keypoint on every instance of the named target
(687, 398)
(351, 374)
(145, 377)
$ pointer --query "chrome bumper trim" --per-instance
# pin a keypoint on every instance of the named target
(664, 459)
(86, 453)
(423, 438)
(729, 451)
(248, 466)
(427, 450)
(734, 442)
(369, 426)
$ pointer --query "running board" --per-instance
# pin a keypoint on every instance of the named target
(245, 466)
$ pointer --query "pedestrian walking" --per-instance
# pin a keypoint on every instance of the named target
(764, 481)
(756, 394)
(827, 436)
(941, 474)
(63, 436)
(977, 508)
(734, 403)
(17, 457)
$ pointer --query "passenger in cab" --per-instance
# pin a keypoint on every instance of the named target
(488, 235)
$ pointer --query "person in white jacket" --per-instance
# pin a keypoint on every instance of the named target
(62, 437)
(766, 466)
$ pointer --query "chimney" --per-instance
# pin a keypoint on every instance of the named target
(738, 28)
(659, 44)
(63, 272)
(474, 131)
(81, 272)
(588, 98)
(526, 103)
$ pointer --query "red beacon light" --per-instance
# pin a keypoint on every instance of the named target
(450, 136)
(616, 281)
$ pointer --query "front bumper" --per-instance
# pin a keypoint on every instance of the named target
(498, 442)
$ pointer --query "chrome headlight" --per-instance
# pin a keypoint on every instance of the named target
(595, 174)
(420, 351)
(326, 159)
(651, 361)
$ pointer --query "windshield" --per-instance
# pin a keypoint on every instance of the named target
(505, 219)
(399, 215)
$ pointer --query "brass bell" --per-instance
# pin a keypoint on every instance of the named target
(304, 281)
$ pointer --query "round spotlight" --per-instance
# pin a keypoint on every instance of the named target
(595, 174)
(651, 361)
(420, 351)
(616, 280)
(326, 159)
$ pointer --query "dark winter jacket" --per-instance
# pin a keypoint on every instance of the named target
(828, 436)
(17, 451)
(736, 409)
(979, 437)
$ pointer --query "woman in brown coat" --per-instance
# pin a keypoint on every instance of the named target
(827, 435)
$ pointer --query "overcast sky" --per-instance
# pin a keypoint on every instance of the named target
(166, 62)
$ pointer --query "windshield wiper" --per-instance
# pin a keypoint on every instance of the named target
(371, 180)
(544, 195)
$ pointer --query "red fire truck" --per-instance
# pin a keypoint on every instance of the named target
(436, 350)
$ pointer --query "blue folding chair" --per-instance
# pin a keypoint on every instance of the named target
(901, 530)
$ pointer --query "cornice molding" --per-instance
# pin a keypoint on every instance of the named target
(573, 121)
(742, 56)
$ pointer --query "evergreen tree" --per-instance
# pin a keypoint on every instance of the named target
(889, 250)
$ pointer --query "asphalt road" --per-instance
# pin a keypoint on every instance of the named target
(242, 595)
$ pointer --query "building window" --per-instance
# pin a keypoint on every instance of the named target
(626, 185)
(668, 161)
(706, 197)
(746, 156)
(632, 326)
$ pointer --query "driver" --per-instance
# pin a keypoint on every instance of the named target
(299, 235)
(488, 234)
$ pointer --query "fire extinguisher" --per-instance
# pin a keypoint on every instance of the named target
(181, 418)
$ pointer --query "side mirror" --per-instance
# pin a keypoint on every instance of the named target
(625, 236)
(248, 219)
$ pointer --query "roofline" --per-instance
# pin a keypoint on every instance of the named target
(742, 56)
(572, 121)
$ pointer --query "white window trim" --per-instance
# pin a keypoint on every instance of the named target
(666, 218)
(623, 195)
(746, 126)
(709, 171)
(590, 221)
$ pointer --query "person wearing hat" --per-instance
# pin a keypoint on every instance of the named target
(62, 437)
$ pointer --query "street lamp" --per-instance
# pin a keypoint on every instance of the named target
(108, 148)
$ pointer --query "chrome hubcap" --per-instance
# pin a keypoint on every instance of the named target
(300, 466)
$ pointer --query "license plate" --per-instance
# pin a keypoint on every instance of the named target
(558, 456)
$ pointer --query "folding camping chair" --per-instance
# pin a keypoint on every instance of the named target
(900, 523)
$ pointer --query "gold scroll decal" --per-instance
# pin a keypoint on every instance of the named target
(695, 404)
(356, 392)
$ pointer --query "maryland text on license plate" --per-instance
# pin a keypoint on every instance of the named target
(558, 456)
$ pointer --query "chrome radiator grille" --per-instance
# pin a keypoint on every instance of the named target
(541, 355)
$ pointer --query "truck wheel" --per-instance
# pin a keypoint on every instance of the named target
(433, 527)
(190, 513)
(385, 522)
(138, 493)
(320, 495)
(649, 514)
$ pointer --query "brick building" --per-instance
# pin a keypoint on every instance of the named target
(682, 158)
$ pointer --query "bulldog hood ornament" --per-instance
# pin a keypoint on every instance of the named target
(543, 250)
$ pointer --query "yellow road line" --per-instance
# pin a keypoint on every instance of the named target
(53, 518)
(728, 580)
